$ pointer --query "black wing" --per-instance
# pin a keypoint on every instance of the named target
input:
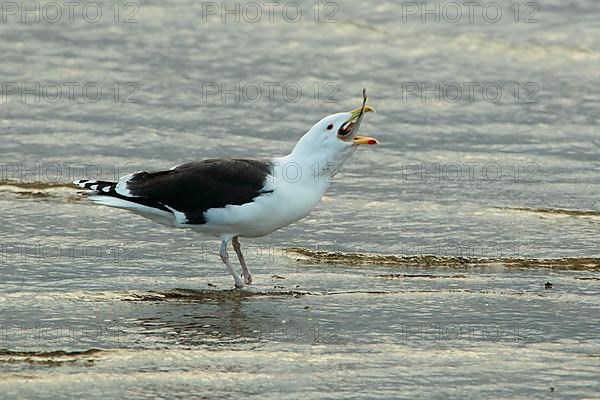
(195, 187)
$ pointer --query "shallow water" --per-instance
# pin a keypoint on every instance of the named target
(461, 216)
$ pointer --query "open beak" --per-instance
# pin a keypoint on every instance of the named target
(358, 115)
(349, 130)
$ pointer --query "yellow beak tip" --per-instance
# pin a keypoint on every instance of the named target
(365, 140)
(370, 109)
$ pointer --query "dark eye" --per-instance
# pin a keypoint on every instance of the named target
(330, 127)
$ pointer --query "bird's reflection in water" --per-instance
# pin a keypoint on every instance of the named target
(215, 318)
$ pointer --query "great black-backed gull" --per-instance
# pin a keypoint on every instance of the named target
(233, 198)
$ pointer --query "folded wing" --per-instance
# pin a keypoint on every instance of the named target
(196, 187)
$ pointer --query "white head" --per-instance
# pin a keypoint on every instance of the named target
(334, 138)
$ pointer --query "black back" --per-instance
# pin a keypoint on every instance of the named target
(195, 187)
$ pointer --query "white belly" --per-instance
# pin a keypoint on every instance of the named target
(267, 213)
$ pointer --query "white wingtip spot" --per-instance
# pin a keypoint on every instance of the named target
(94, 187)
(106, 189)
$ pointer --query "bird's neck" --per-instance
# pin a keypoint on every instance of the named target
(314, 168)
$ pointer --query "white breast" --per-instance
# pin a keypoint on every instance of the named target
(289, 202)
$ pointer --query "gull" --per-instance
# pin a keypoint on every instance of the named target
(240, 198)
